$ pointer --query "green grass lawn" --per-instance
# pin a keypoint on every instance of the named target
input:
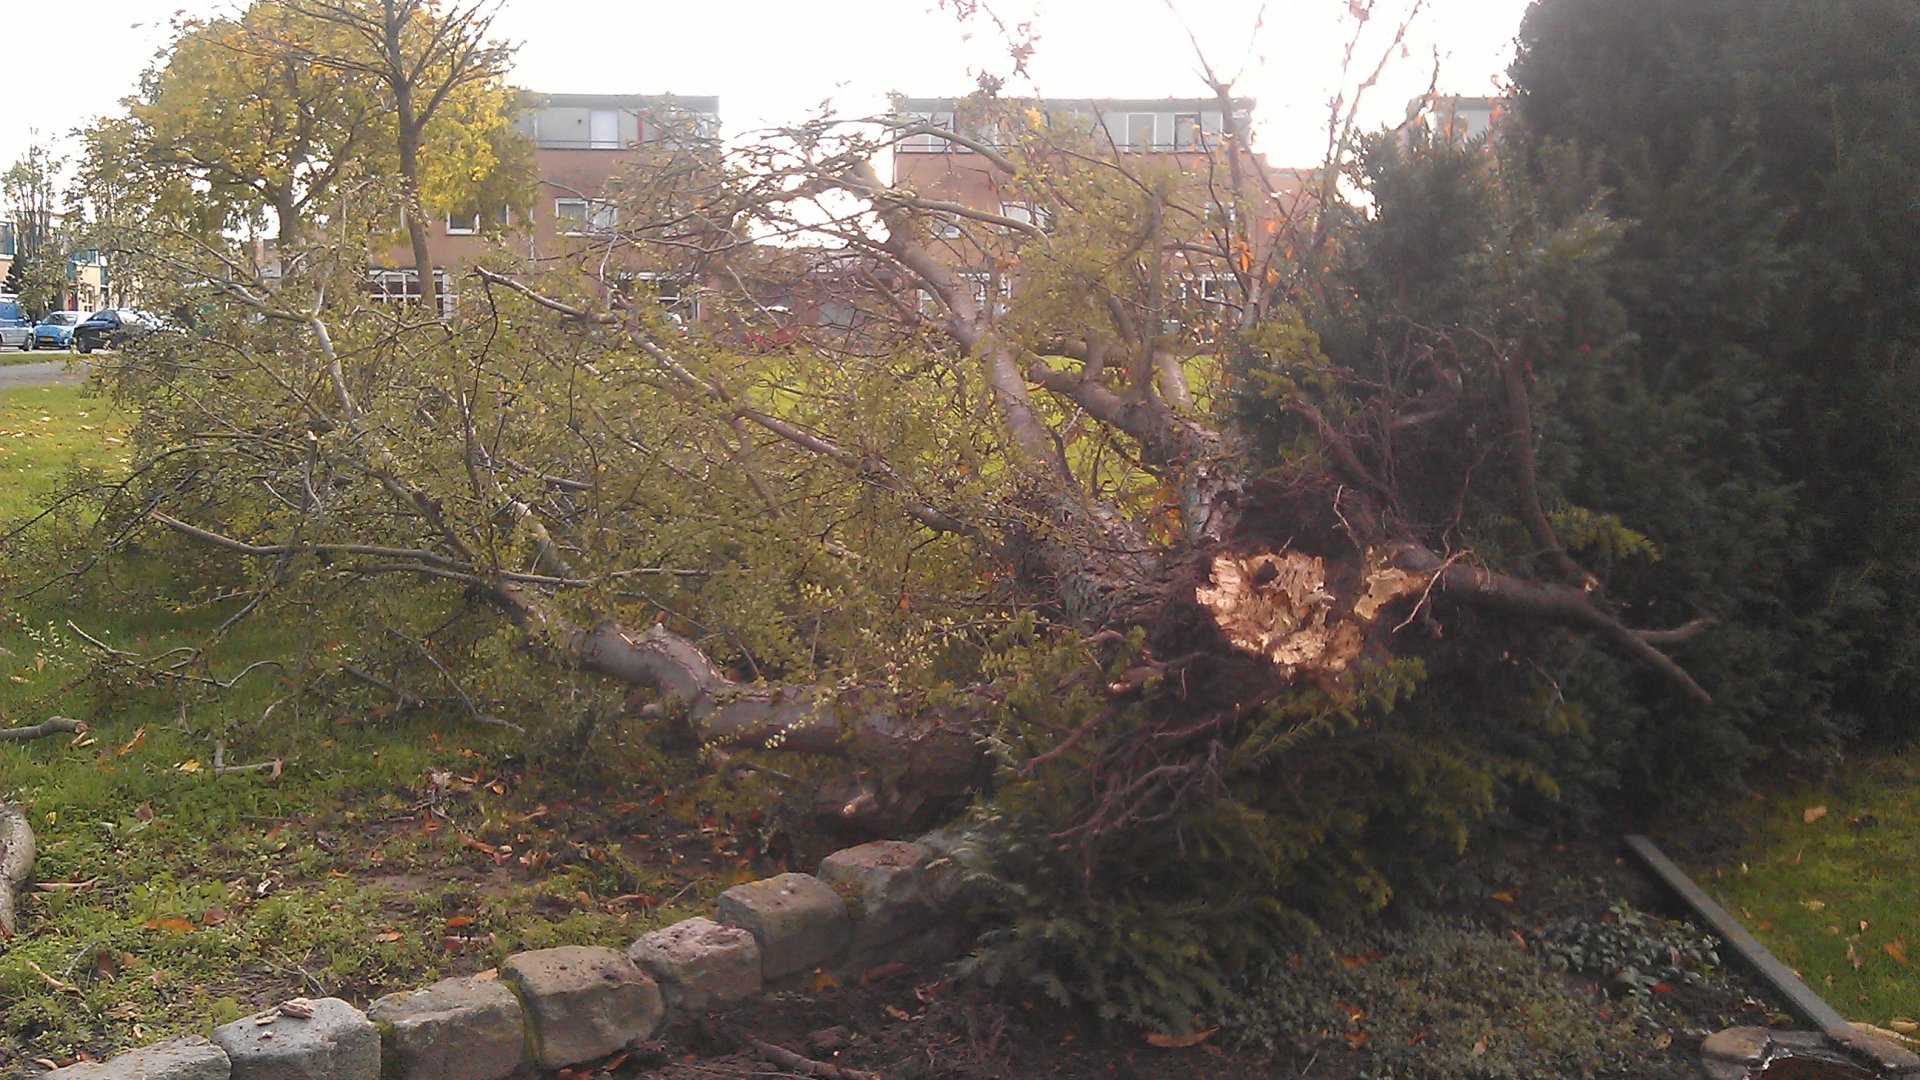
(1827, 881)
(380, 850)
(43, 430)
(37, 356)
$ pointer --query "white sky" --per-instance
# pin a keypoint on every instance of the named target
(776, 60)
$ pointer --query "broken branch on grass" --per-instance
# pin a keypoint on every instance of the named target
(49, 726)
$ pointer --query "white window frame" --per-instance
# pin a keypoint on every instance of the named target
(402, 286)
(980, 281)
(1199, 132)
(929, 144)
(1127, 125)
(603, 129)
(596, 217)
(456, 227)
(1031, 213)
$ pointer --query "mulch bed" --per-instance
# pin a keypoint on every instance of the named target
(924, 1028)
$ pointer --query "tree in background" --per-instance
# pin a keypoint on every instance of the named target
(1761, 157)
(294, 116)
(39, 269)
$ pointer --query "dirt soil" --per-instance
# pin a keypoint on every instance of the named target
(926, 1028)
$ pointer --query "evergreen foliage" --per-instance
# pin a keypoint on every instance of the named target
(1761, 157)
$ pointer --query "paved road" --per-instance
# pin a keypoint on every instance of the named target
(51, 373)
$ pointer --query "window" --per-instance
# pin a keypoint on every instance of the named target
(1027, 212)
(947, 227)
(984, 284)
(1137, 132)
(1186, 131)
(469, 222)
(928, 144)
(6, 238)
(603, 129)
(403, 287)
(585, 217)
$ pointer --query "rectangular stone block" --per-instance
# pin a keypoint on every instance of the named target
(189, 1058)
(456, 1029)
(581, 1002)
(700, 963)
(799, 921)
(336, 1043)
(888, 888)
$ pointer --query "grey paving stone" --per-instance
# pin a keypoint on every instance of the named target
(581, 1002)
(336, 1043)
(799, 921)
(700, 963)
(188, 1058)
(456, 1029)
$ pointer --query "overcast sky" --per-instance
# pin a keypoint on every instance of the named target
(776, 60)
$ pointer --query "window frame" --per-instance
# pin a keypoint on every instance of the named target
(598, 139)
(598, 217)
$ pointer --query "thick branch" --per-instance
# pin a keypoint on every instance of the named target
(1520, 415)
(1559, 604)
(51, 725)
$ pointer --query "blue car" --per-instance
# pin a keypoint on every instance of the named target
(55, 331)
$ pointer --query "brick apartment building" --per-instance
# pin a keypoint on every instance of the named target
(583, 146)
(1183, 138)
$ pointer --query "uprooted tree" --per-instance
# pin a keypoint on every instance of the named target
(1067, 486)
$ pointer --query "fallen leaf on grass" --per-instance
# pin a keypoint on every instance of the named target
(171, 923)
(1176, 1042)
(1503, 896)
(1853, 958)
(1812, 814)
(190, 765)
(1897, 948)
(128, 747)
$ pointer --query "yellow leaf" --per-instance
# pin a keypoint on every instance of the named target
(1897, 948)
(1812, 814)
(189, 765)
(139, 736)
(1503, 896)
(1175, 1042)
(171, 923)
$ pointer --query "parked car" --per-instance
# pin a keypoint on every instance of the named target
(110, 328)
(55, 331)
(15, 327)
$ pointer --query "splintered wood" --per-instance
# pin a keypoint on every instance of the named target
(1280, 605)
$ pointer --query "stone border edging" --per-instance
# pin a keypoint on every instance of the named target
(1746, 1047)
(884, 902)
(16, 864)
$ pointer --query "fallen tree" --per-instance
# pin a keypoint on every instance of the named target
(1071, 501)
